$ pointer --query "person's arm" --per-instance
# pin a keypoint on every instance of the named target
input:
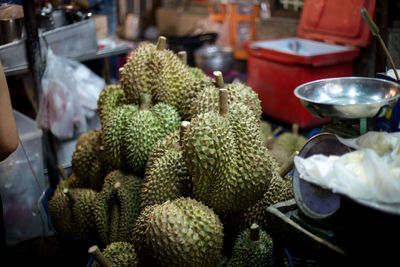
(8, 128)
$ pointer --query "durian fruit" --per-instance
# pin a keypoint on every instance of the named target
(226, 157)
(89, 161)
(208, 99)
(61, 215)
(144, 129)
(188, 98)
(253, 247)
(117, 207)
(291, 142)
(70, 182)
(183, 232)
(113, 131)
(111, 97)
(141, 72)
(266, 131)
(196, 73)
(117, 254)
(83, 211)
(167, 177)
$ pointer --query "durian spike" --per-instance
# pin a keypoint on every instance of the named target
(288, 165)
(62, 172)
(161, 43)
(219, 79)
(184, 125)
(270, 138)
(254, 232)
(295, 128)
(99, 257)
(69, 195)
(223, 103)
(145, 101)
(183, 56)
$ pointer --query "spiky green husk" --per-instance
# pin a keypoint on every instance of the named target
(266, 131)
(117, 209)
(141, 72)
(144, 130)
(252, 253)
(61, 216)
(207, 100)
(111, 97)
(290, 142)
(279, 190)
(184, 232)
(121, 254)
(174, 80)
(188, 98)
(227, 159)
(196, 73)
(166, 176)
(114, 128)
(88, 160)
(72, 181)
(83, 211)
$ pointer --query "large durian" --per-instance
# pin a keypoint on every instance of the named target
(144, 129)
(111, 97)
(113, 131)
(118, 207)
(89, 160)
(61, 216)
(167, 177)
(183, 232)
(253, 247)
(117, 254)
(226, 157)
(208, 99)
(196, 73)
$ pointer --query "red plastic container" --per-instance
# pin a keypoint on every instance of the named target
(329, 34)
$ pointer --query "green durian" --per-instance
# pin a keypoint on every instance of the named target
(266, 131)
(117, 254)
(111, 97)
(88, 160)
(167, 177)
(188, 104)
(61, 215)
(184, 232)
(117, 207)
(290, 142)
(83, 210)
(144, 129)
(253, 247)
(113, 132)
(196, 73)
(72, 181)
(226, 157)
(207, 100)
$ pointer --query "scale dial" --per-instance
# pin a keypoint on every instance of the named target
(313, 200)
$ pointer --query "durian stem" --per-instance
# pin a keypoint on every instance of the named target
(183, 56)
(223, 103)
(219, 80)
(62, 172)
(145, 101)
(117, 185)
(99, 257)
(184, 125)
(295, 128)
(288, 165)
(254, 232)
(270, 138)
(161, 43)
(69, 195)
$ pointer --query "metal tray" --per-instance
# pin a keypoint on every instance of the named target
(348, 97)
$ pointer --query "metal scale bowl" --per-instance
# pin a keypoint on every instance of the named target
(337, 98)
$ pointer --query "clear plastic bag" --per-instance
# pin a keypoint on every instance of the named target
(69, 94)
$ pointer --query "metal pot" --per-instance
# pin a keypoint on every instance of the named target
(213, 57)
(11, 30)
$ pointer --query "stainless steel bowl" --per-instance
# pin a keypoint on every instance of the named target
(348, 97)
(212, 57)
(11, 30)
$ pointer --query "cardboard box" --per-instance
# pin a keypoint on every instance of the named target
(173, 22)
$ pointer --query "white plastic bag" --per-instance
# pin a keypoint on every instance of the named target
(370, 173)
(69, 92)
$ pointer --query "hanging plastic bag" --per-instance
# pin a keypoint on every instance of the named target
(69, 93)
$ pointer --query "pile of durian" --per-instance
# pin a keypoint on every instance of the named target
(177, 175)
